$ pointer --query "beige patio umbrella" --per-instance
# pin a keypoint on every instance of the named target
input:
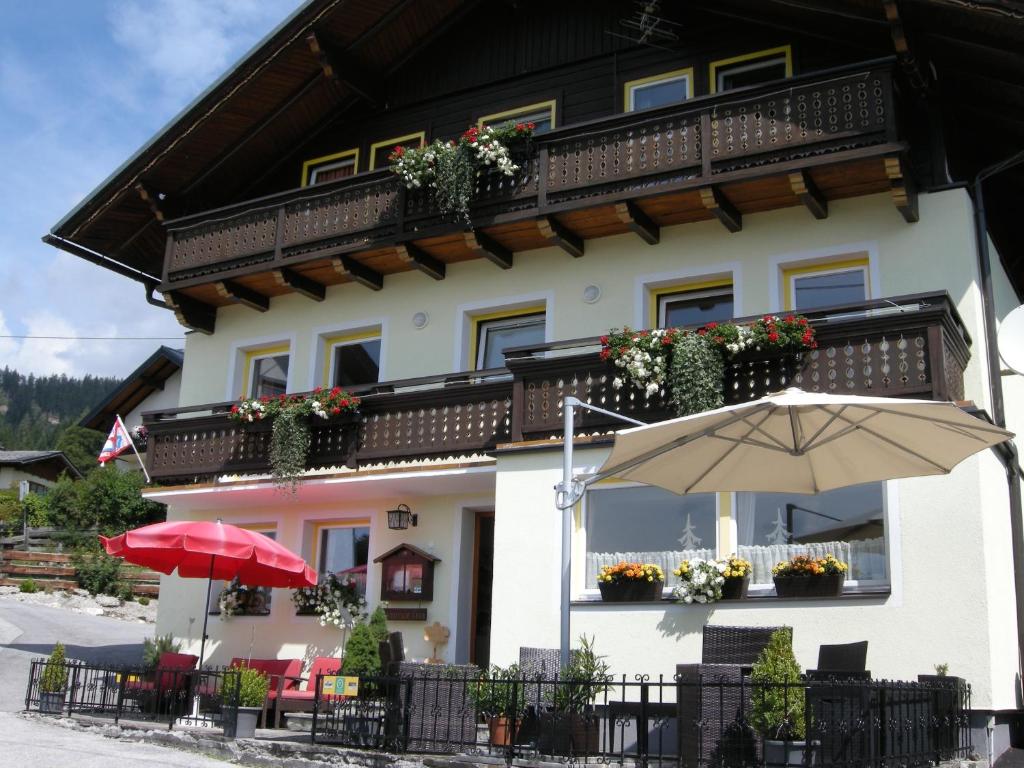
(800, 442)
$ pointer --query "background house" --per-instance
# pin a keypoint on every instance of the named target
(40, 469)
(746, 158)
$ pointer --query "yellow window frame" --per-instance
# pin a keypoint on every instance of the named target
(421, 135)
(658, 293)
(714, 66)
(333, 342)
(789, 275)
(551, 106)
(675, 74)
(323, 525)
(474, 339)
(252, 355)
(310, 165)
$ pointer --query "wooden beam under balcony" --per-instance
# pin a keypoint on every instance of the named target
(807, 191)
(360, 273)
(558, 234)
(191, 313)
(637, 221)
(152, 199)
(722, 209)
(421, 260)
(239, 294)
(903, 189)
(486, 246)
(300, 283)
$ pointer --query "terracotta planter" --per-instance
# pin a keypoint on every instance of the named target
(735, 588)
(630, 590)
(826, 585)
(500, 731)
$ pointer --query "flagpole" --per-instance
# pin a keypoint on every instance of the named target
(131, 442)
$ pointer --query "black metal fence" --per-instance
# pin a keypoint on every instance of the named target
(699, 723)
(171, 696)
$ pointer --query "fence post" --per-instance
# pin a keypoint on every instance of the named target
(513, 723)
(316, 707)
(641, 725)
(73, 688)
(121, 680)
(34, 665)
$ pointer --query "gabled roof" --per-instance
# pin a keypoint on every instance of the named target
(47, 464)
(408, 548)
(222, 146)
(136, 387)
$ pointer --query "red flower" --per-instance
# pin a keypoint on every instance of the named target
(605, 354)
(711, 326)
(803, 321)
(718, 339)
(531, 126)
(282, 398)
(355, 401)
(335, 410)
(773, 336)
(344, 402)
(399, 151)
(623, 350)
(790, 319)
(471, 134)
(335, 391)
(666, 341)
(265, 399)
(767, 318)
(234, 409)
(318, 390)
(604, 340)
(520, 127)
(701, 331)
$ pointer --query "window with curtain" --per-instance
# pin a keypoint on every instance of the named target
(848, 523)
(344, 550)
(257, 602)
(649, 525)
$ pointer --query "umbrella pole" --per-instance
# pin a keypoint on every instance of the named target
(206, 613)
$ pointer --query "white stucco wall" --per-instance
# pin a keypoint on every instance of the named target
(168, 397)
(11, 476)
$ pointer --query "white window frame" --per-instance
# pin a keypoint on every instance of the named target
(825, 258)
(791, 280)
(632, 86)
(327, 337)
(751, 66)
(647, 289)
(322, 526)
(664, 299)
(483, 327)
(241, 354)
(467, 316)
(349, 162)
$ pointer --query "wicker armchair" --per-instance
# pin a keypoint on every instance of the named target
(439, 715)
(713, 702)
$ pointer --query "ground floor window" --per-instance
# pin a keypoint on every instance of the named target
(242, 600)
(649, 525)
(344, 550)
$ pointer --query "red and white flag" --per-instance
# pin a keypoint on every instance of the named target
(117, 443)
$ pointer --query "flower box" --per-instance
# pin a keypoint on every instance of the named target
(823, 585)
(735, 588)
(630, 590)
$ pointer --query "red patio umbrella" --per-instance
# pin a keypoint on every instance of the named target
(211, 550)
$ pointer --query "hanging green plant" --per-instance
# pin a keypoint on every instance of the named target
(696, 375)
(290, 438)
(451, 168)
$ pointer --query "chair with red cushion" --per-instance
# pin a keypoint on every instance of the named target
(301, 700)
(284, 675)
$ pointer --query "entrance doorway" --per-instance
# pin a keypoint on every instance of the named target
(483, 578)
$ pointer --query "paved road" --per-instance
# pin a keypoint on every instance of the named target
(29, 631)
(30, 743)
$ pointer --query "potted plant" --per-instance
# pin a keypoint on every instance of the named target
(777, 707)
(500, 698)
(737, 577)
(700, 581)
(805, 576)
(248, 687)
(53, 682)
(625, 582)
(570, 726)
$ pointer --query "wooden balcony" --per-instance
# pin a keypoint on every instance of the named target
(806, 141)
(907, 346)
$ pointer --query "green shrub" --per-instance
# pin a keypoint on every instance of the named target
(254, 685)
(496, 695)
(55, 674)
(361, 655)
(777, 707)
(143, 600)
(97, 572)
(586, 676)
(28, 586)
(696, 375)
(152, 648)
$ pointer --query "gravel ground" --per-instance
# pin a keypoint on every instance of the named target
(80, 601)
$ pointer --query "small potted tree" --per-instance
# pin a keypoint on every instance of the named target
(53, 682)
(248, 687)
(570, 726)
(500, 698)
(778, 702)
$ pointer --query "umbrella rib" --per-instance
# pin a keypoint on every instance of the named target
(733, 447)
(852, 426)
(981, 426)
(780, 447)
(896, 445)
(833, 415)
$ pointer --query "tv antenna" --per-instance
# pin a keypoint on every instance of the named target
(647, 27)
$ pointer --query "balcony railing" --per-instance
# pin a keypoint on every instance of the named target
(907, 346)
(734, 136)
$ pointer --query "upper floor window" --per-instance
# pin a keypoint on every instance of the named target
(751, 69)
(659, 90)
(266, 371)
(826, 284)
(320, 170)
(494, 333)
(352, 359)
(380, 150)
(542, 115)
(696, 305)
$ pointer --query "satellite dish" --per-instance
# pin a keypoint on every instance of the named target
(1011, 340)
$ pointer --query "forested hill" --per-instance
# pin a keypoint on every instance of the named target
(35, 410)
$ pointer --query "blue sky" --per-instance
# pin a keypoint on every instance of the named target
(84, 83)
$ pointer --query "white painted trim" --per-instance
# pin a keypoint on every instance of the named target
(455, 618)
(644, 284)
(322, 332)
(836, 252)
(893, 542)
(464, 314)
(236, 358)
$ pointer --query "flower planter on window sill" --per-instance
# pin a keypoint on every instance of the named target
(826, 585)
(735, 588)
(630, 591)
